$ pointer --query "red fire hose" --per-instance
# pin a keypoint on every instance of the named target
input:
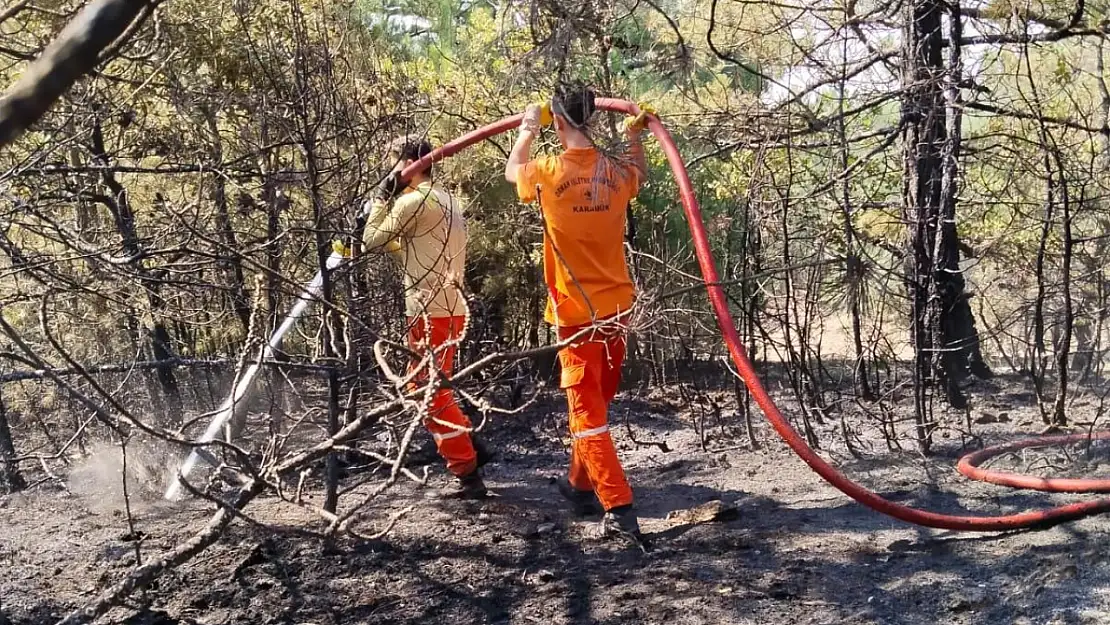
(967, 465)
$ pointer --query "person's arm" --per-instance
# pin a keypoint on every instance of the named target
(636, 153)
(386, 224)
(519, 155)
(634, 134)
(529, 128)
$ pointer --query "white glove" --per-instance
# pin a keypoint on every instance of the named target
(531, 120)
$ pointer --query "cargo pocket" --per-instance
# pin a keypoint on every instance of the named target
(572, 375)
(574, 368)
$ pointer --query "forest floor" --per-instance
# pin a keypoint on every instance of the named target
(795, 551)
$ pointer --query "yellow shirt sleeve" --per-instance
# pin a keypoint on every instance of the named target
(387, 224)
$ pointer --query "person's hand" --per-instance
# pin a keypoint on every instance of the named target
(530, 123)
(635, 126)
(389, 187)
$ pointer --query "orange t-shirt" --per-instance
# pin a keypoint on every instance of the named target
(584, 198)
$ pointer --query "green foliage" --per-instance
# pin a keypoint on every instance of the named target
(235, 93)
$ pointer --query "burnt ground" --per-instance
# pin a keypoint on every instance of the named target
(797, 551)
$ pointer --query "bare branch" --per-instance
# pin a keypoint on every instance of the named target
(13, 10)
(1055, 121)
(70, 56)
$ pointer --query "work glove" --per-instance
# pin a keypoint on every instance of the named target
(638, 123)
(389, 187)
(531, 120)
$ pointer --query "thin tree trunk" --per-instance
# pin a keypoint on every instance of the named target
(854, 268)
(800, 379)
(119, 204)
(230, 259)
(1088, 340)
(10, 478)
(309, 110)
(923, 138)
(1039, 363)
(1063, 348)
(275, 203)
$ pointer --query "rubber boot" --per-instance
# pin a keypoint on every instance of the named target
(466, 487)
(484, 455)
(622, 522)
(583, 502)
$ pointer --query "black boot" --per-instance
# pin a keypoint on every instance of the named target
(485, 456)
(466, 487)
(621, 522)
(583, 502)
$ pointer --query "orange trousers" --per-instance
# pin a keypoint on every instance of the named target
(449, 426)
(591, 375)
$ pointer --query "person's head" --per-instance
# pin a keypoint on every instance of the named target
(406, 150)
(572, 109)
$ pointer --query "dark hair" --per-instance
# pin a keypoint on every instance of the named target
(411, 147)
(576, 104)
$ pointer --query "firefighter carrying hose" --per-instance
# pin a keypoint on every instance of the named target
(584, 196)
(422, 227)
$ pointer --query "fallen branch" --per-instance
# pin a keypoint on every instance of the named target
(269, 477)
(142, 576)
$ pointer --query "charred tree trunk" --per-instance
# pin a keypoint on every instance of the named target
(276, 203)
(962, 354)
(923, 136)
(309, 103)
(1038, 364)
(118, 203)
(752, 300)
(853, 271)
(946, 343)
(544, 367)
(1092, 306)
(804, 384)
(229, 259)
(1063, 347)
(634, 369)
(329, 329)
(10, 478)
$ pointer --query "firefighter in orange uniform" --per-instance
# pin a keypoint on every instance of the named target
(584, 197)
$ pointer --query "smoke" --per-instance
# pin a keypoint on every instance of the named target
(99, 477)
